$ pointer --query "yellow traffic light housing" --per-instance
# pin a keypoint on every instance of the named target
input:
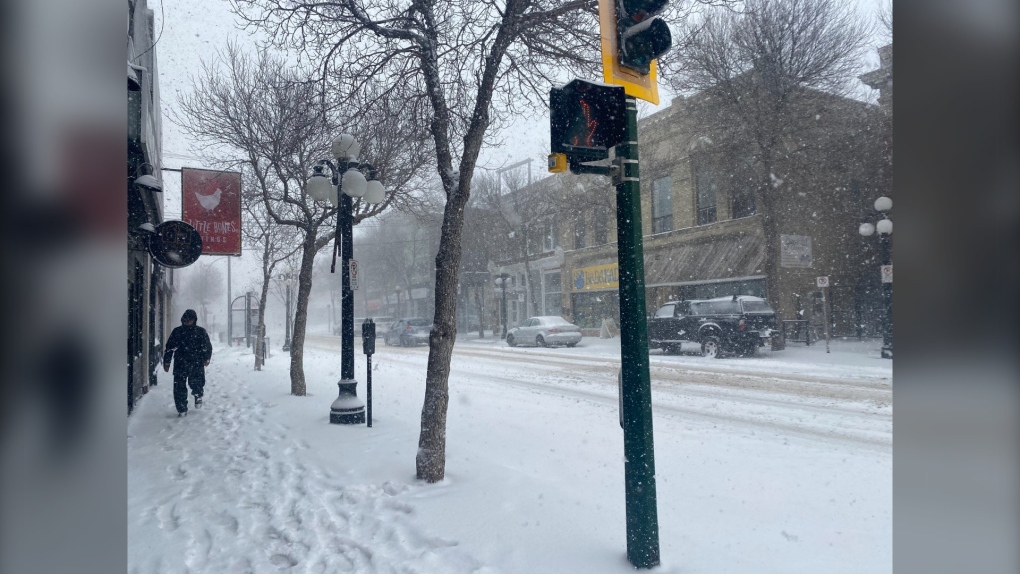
(636, 84)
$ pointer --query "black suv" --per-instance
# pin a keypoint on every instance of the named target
(738, 324)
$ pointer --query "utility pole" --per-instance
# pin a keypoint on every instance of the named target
(638, 450)
(230, 317)
(587, 119)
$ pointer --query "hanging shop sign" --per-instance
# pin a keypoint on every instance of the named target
(211, 203)
(175, 244)
(596, 277)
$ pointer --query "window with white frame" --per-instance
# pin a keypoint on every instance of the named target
(706, 183)
(662, 205)
(552, 294)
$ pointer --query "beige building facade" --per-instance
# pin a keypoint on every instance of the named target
(703, 234)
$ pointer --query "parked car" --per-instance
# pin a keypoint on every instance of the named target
(738, 324)
(544, 331)
(408, 332)
(381, 323)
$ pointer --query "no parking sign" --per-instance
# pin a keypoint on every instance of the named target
(887, 274)
(354, 274)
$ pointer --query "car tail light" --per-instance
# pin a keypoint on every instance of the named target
(741, 325)
(554, 330)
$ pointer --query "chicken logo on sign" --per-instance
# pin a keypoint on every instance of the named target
(209, 202)
(212, 205)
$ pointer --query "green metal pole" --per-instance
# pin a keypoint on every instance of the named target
(639, 465)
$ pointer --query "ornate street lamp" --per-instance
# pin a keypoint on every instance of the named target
(884, 227)
(502, 282)
(349, 179)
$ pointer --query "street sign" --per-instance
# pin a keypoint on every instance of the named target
(822, 282)
(887, 274)
(354, 274)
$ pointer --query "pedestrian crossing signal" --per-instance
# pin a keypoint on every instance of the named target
(586, 119)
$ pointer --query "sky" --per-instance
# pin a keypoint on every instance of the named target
(190, 30)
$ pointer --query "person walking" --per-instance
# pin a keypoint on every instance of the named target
(191, 350)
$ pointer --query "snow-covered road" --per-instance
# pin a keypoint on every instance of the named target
(852, 404)
(780, 463)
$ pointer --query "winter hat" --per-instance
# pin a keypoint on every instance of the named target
(189, 315)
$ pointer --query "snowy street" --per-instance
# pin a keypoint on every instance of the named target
(778, 463)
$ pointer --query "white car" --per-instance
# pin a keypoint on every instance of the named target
(544, 331)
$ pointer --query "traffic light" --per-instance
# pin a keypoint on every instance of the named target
(586, 119)
(641, 35)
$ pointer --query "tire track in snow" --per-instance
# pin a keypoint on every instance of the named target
(847, 412)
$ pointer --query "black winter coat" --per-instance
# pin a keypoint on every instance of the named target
(189, 345)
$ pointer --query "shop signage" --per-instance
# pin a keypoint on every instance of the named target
(795, 251)
(211, 203)
(175, 244)
(596, 277)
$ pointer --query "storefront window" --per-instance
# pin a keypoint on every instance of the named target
(592, 307)
(553, 301)
(580, 229)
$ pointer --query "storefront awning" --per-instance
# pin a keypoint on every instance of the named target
(713, 259)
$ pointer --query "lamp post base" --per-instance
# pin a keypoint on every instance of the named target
(347, 409)
(887, 345)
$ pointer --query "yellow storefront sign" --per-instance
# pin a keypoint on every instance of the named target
(596, 277)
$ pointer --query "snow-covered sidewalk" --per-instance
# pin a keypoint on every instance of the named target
(259, 481)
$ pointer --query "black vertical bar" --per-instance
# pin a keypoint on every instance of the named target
(368, 390)
(346, 295)
(639, 455)
(887, 331)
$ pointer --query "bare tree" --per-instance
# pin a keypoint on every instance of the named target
(885, 20)
(467, 67)
(766, 69)
(276, 243)
(270, 114)
(523, 214)
(399, 253)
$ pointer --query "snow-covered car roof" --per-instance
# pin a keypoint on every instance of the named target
(728, 298)
(553, 320)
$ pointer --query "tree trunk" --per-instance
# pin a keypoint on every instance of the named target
(431, 459)
(770, 231)
(297, 340)
(481, 311)
(260, 338)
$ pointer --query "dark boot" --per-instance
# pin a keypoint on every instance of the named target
(181, 394)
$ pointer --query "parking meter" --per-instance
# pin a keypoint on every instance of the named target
(368, 345)
(368, 336)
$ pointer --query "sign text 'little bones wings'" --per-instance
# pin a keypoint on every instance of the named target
(211, 203)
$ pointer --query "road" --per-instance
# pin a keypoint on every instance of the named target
(820, 402)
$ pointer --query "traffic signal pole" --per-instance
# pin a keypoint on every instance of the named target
(639, 455)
